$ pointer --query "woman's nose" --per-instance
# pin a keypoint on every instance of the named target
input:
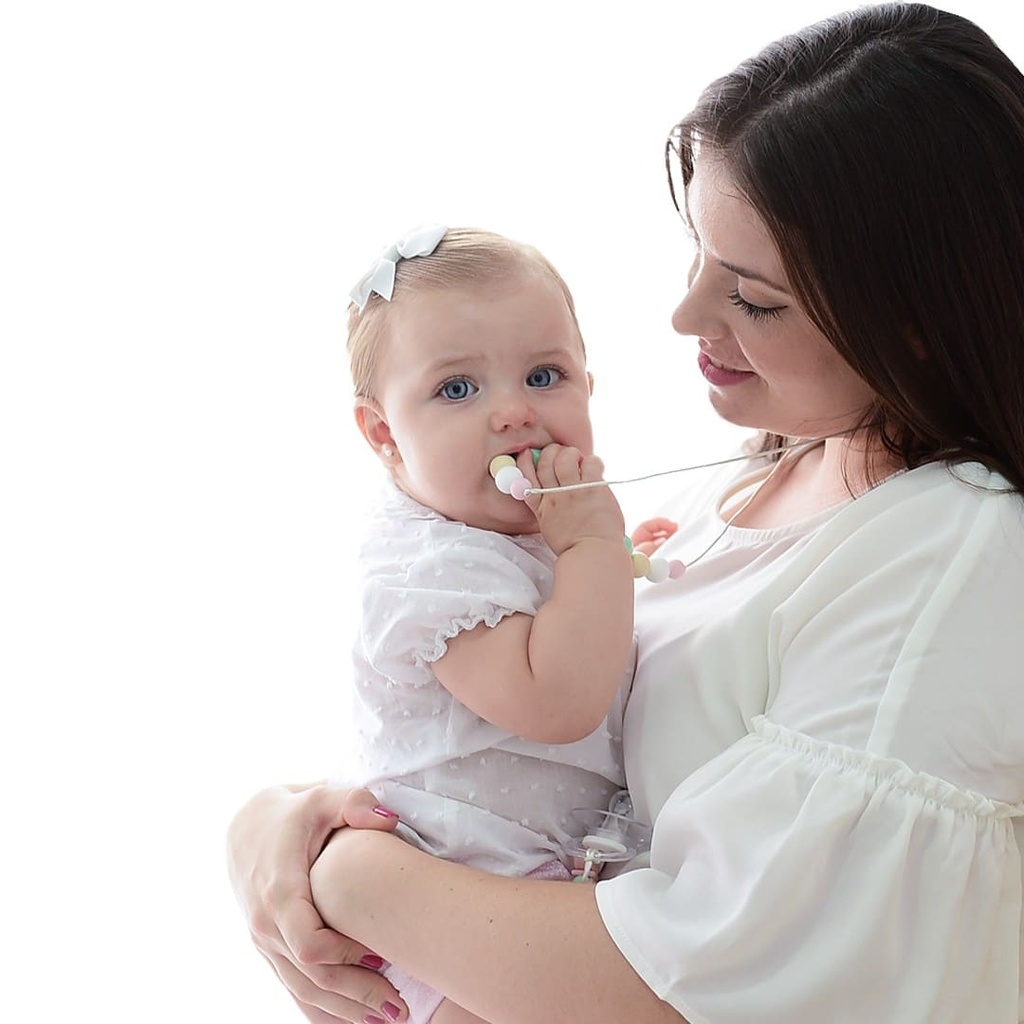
(696, 316)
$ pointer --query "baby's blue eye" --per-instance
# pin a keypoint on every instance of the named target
(456, 389)
(543, 377)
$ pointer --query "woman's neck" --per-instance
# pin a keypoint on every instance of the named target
(815, 478)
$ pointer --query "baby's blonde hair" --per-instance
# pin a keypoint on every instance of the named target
(465, 256)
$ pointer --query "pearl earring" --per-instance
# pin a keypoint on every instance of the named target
(387, 451)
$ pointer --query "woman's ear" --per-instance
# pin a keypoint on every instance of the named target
(374, 427)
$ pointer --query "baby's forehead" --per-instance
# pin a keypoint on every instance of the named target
(522, 313)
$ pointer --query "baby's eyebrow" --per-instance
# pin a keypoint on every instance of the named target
(459, 360)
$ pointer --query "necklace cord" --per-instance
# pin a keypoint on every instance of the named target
(803, 442)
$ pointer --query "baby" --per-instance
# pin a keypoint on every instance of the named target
(495, 651)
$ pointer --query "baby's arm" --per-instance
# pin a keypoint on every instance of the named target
(552, 677)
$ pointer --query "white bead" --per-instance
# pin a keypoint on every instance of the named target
(505, 476)
(658, 570)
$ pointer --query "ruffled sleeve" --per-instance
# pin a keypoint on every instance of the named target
(794, 880)
(427, 578)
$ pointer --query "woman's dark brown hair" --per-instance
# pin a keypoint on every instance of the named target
(884, 149)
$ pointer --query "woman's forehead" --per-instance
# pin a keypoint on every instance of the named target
(726, 224)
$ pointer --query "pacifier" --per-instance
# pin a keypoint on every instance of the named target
(606, 836)
(509, 479)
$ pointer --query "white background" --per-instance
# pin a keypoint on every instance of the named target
(189, 190)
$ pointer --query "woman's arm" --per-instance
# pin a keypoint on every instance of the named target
(272, 841)
(513, 951)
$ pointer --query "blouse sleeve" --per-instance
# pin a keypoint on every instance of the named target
(794, 880)
(437, 580)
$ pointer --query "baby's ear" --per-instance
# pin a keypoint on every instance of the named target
(374, 427)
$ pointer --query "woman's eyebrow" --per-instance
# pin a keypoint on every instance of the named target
(752, 275)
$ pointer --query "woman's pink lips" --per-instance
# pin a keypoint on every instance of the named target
(718, 375)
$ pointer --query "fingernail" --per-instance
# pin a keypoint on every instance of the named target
(374, 962)
(384, 812)
(371, 1019)
(391, 1010)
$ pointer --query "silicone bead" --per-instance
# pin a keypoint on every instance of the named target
(641, 564)
(676, 569)
(519, 487)
(497, 462)
(629, 544)
(506, 476)
(658, 571)
(535, 454)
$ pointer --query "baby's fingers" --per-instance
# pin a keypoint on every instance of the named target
(652, 533)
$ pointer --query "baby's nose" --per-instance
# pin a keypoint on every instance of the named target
(512, 411)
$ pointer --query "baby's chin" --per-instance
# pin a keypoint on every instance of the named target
(513, 521)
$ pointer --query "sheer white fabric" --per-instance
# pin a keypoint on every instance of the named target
(471, 791)
(827, 728)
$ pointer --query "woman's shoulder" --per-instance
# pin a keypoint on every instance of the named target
(940, 501)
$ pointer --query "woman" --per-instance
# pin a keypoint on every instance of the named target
(824, 727)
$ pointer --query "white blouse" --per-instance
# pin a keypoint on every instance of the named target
(465, 789)
(827, 729)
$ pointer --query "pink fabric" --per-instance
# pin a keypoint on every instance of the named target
(423, 1000)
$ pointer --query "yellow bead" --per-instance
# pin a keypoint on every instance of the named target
(641, 564)
(498, 461)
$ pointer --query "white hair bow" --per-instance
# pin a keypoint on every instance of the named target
(380, 278)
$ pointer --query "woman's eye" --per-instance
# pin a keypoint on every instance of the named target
(543, 377)
(760, 313)
(456, 389)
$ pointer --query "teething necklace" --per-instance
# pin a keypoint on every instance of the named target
(509, 479)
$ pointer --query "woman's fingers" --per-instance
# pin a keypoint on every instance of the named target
(363, 810)
(303, 935)
(340, 993)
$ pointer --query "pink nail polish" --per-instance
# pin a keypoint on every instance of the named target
(384, 812)
(374, 962)
(391, 1011)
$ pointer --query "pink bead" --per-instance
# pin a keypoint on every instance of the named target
(518, 488)
(676, 569)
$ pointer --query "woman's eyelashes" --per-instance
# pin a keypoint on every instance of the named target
(458, 389)
(759, 313)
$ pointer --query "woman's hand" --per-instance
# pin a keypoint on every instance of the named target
(272, 843)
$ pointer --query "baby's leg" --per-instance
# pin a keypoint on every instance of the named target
(426, 1004)
(451, 1013)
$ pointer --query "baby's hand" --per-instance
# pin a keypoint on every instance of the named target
(651, 534)
(570, 516)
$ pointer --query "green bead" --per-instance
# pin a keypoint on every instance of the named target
(535, 452)
(629, 544)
